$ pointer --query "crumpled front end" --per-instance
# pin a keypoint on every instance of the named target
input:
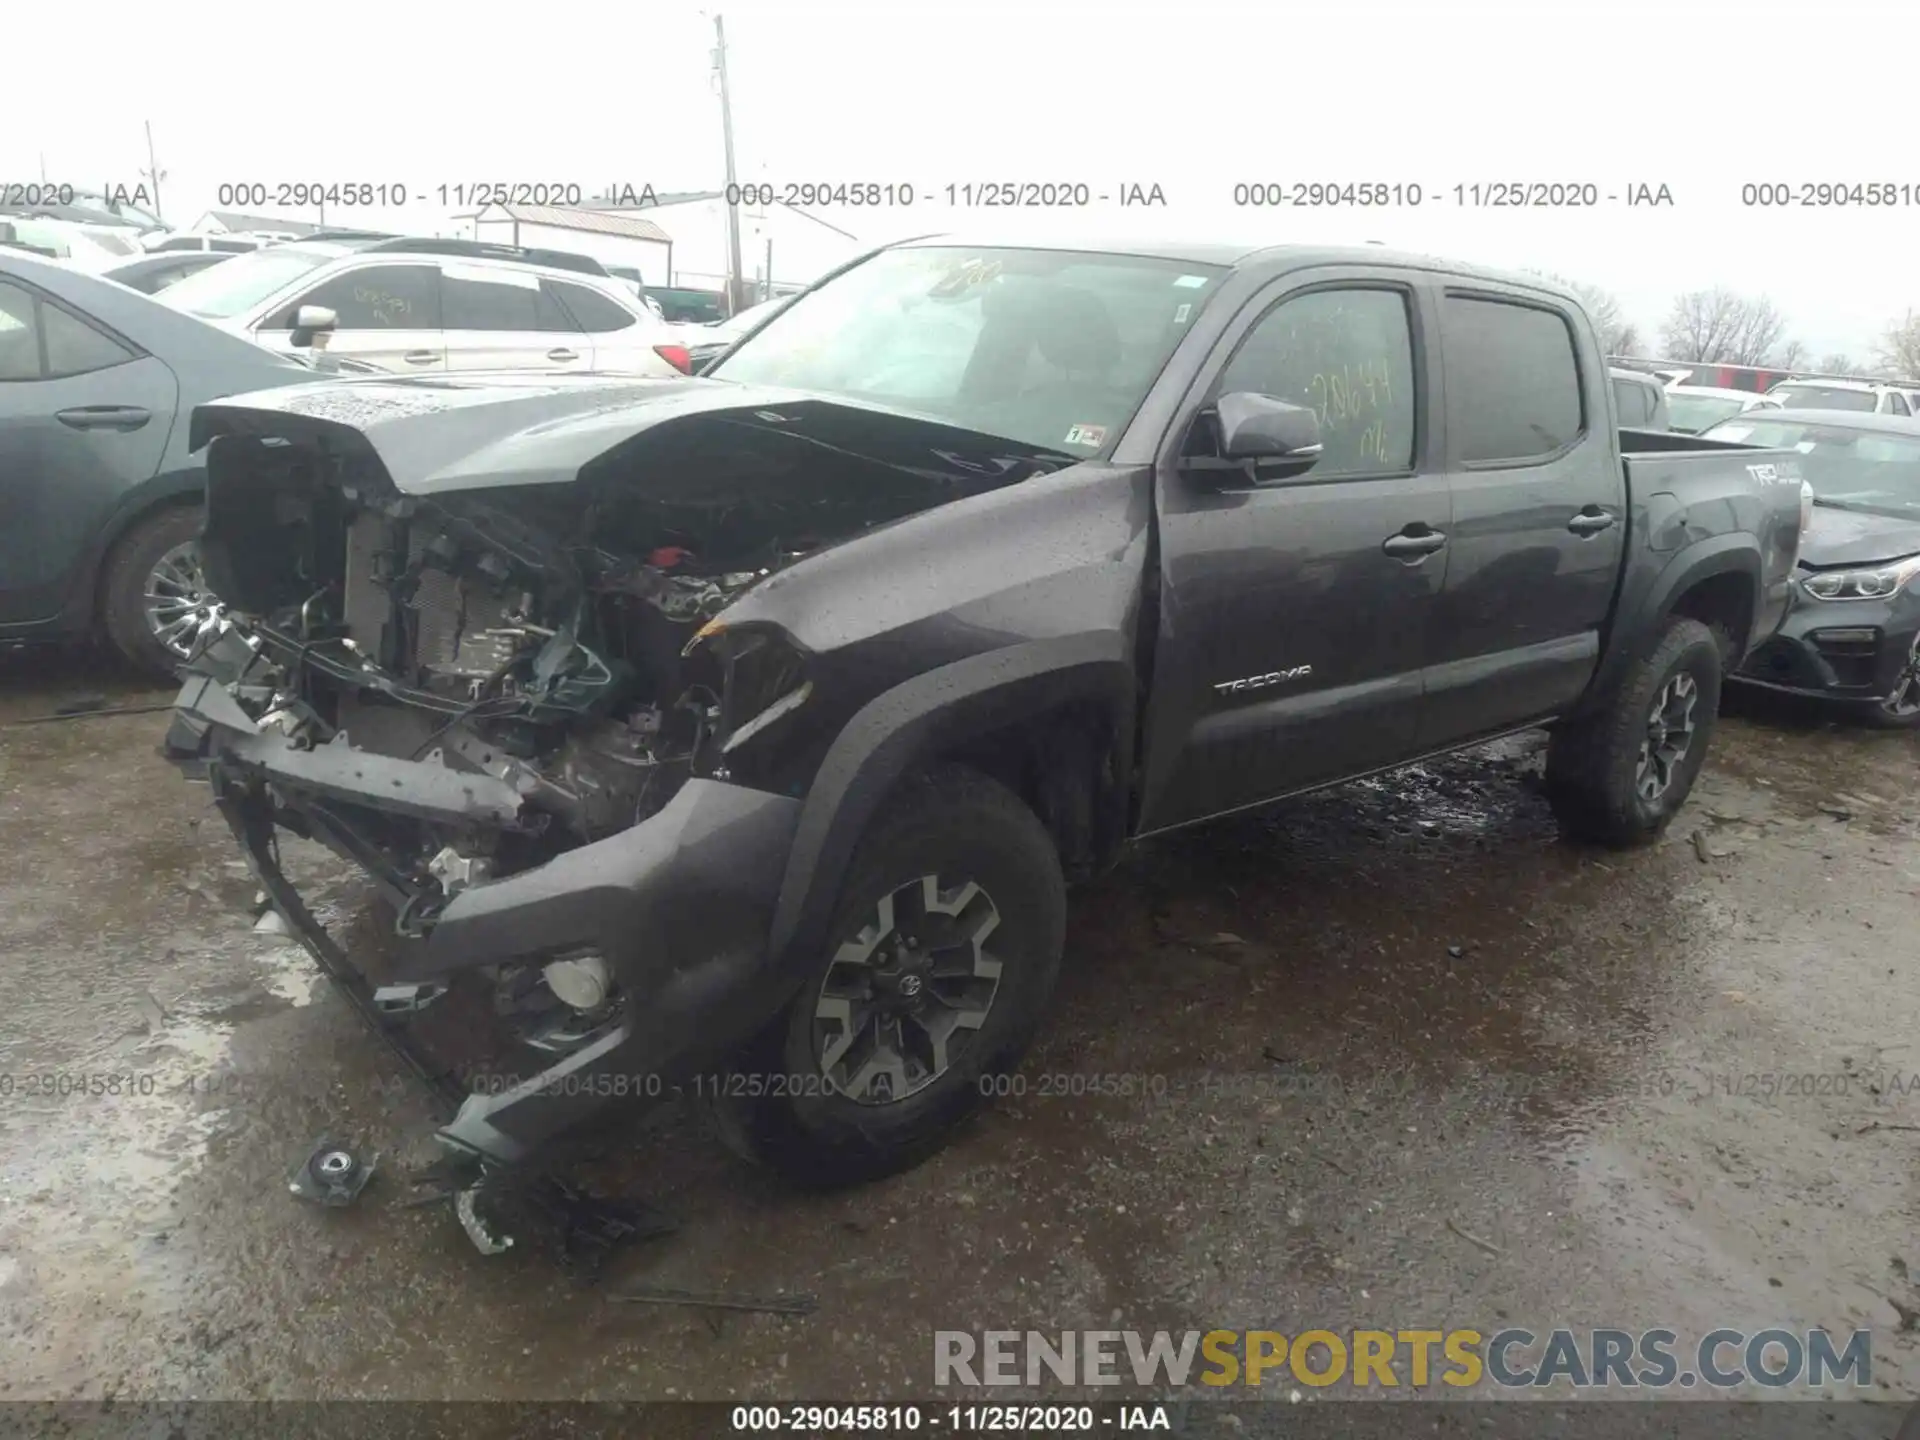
(497, 674)
(621, 966)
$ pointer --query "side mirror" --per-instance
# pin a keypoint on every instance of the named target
(1261, 438)
(310, 321)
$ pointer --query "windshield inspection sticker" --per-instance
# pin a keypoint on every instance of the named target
(1189, 282)
(1180, 315)
(1091, 435)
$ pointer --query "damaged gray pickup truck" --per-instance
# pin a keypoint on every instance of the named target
(741, 733)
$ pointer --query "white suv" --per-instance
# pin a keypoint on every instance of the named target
(407, 306)
(1860, 395)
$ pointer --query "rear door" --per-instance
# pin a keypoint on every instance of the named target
(622, 340)
(389, 316)
(1294, 615)
(501, 319)
(84, 417)
(1538, 522)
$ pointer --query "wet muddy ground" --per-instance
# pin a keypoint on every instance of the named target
(1396, 1056)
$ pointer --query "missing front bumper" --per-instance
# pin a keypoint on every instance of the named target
(680, 904)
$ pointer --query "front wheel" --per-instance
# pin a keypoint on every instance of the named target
(1900, 710)
(1620, 775)
(153, 596)
(943, 951)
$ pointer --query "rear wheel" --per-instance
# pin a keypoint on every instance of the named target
(153, 594)
(1619, 776)
(943, 952)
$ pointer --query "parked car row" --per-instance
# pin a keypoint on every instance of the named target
(409, 305)
(412, 305)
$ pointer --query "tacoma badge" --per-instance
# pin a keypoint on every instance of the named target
(1261, 682)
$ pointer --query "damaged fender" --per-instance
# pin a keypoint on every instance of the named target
(680, 905)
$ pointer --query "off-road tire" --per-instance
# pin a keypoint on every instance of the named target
(961, 825)
(123, 585)
(1593, 763)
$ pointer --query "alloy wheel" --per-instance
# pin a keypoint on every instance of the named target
(903, 998)
(1669, 736)
(1904, 699)
(177, 599)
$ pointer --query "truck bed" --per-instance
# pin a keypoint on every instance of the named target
(1646, 442)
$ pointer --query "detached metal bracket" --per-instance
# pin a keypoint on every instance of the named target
(406, 999)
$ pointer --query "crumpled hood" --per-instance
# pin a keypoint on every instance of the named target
(1855, 537)
(433, 434)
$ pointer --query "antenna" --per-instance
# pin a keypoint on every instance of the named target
(155, 174)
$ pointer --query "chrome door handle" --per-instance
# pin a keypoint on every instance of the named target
(420, 357)
(104, 417)
(563, 354)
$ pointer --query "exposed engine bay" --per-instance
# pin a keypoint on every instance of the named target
(456, 633)
(454, 684)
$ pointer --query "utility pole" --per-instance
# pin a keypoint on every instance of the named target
(154, 173)
(733, 192)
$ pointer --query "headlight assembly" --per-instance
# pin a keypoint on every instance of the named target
(1881, 582)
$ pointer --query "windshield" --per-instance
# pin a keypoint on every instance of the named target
(223, 291)
(1053, 348)
(1694, 413)
(745, 320)
(1850, 469)
(1824, 397)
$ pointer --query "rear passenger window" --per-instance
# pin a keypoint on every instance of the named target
(1899, 404)
(75, 347)
(1513, 386)
(1348, 356)
(472, 298)
(596, 313)
(19, 334)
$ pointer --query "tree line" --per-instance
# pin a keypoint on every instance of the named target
(1723, 327)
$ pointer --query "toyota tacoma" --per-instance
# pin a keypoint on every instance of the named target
(752, 725)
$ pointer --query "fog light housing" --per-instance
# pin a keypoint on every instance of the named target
(581, 979)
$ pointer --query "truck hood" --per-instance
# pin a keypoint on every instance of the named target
(1856, 537)
(435, 434)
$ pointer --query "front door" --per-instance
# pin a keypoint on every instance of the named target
(389, 317)
(83, 419)
(1294, 615)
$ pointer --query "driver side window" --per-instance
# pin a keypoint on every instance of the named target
(1347, 355)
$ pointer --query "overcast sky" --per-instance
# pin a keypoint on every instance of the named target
(1193, 97)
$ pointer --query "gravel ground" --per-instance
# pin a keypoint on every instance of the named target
(1400, 1057)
